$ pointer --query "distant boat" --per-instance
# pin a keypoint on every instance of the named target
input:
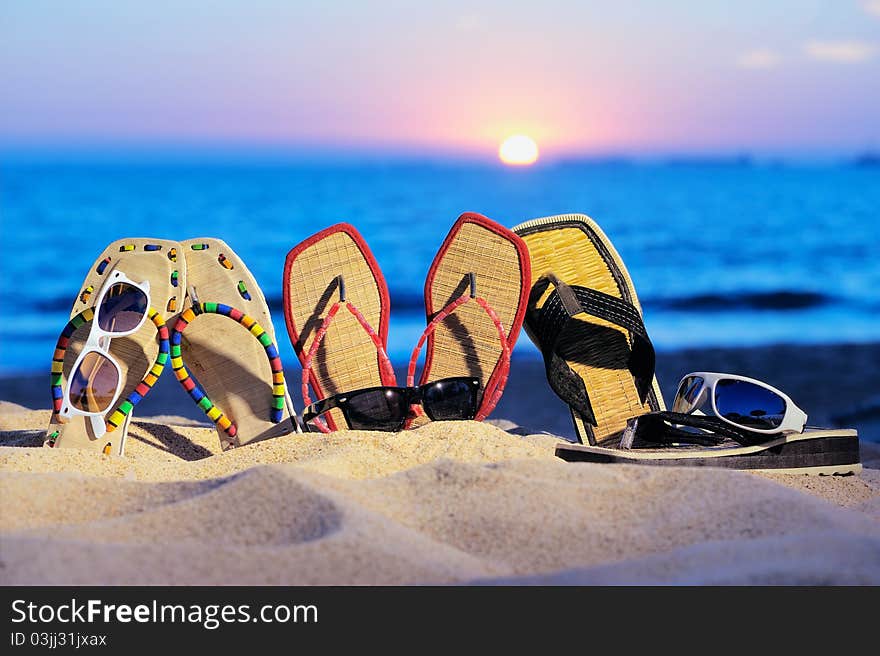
(867, 160)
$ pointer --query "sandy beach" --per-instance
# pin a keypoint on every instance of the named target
(449, 503)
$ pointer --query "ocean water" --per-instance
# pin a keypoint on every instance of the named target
(722, 254)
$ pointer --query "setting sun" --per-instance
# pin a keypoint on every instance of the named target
(518, 150)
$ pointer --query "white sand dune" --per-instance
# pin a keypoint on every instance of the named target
(809, 558)
(447, 503)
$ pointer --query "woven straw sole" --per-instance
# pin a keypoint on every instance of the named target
(347, 359)
(225, 358)
(467, 343)
(135, 353)
(576, 250)
(815, 451)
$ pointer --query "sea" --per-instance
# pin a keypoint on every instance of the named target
(723, 253)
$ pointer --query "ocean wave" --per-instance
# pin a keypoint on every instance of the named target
(773, 300)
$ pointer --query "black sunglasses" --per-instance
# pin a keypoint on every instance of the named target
(388, 408)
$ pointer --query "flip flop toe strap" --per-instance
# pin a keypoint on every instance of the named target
(494, 389)
(386, 368)
(556, 319)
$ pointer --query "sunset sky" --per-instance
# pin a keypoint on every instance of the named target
(798, 77)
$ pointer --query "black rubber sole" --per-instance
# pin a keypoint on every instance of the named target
(821, 453)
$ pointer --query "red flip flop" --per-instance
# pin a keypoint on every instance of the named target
(336, 306)
(475, 300)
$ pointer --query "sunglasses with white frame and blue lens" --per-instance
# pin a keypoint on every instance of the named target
(740, 401)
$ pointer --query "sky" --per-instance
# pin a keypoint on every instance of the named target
(580, 77)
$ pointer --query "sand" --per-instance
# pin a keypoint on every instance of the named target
(453, 502)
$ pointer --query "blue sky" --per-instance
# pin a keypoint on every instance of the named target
(781, 77)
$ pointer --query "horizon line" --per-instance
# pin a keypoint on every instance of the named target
(255, 152)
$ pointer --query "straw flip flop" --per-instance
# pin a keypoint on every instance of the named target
(223, 348)
(585, 318)
(336, 306)
(141, 357)
(475, 299)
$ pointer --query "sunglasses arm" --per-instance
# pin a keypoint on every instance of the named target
(318, 408)
(797, 419)
(99, 425)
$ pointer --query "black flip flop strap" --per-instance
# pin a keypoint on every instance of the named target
(664, 428)
(562, 305)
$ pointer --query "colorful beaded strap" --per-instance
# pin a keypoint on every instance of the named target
(493, 392)
(196, 391)
(142, 389)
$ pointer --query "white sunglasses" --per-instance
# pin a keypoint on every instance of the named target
(96, 380)
(740, 401)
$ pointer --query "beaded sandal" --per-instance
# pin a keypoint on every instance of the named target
(141, 356)
(223, 348)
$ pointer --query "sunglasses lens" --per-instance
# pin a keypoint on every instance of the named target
(749, 405)
(122, 308)
(688, 397)
(93, 383)
(382, 409)
(450, 399)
